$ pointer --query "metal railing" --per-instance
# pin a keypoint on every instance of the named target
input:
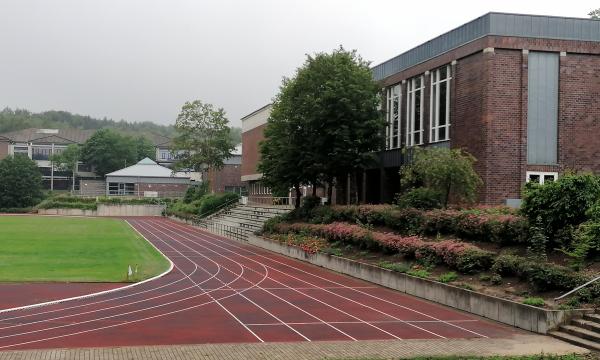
(271, 201)
(228, 231)
(577, 289)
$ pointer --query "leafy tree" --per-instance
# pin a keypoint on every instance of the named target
(236, 135)
(324, 121)
(108, 151)
(68, 160)
(282, 150)
(20, 182)
(447, 171)
(144, 148)
(203, 137)
(594, 14)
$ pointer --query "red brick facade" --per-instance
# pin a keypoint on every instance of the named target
(251, 149)
(488, 107)
(228, 176)
(162, 189)
(3, 149)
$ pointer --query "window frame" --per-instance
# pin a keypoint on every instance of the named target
(541, 174)
(393, 118)
(434, 104)
(411, 91)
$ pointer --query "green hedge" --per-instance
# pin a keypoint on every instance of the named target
(203, 207)
(16, 210)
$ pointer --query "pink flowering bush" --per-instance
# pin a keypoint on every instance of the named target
(461, 256)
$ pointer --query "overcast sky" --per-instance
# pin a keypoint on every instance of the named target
(142, 59)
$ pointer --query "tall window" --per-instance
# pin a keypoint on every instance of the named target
(414, 111)
(394, 98)
(440, 104)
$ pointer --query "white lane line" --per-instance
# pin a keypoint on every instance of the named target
(96, 294)
(232, 243)
(300, 292)
(122, 323)
(360, 322)
(306, 282)
(242, 295)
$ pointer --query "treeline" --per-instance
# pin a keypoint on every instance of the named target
(19, 119)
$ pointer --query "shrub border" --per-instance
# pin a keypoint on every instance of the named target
(523, 316)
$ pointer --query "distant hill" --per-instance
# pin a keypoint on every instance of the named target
(19, 119)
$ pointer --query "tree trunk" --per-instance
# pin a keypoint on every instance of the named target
(355, 175)
(298, 195)
(73, 184)
(329, 191)
(314, 190)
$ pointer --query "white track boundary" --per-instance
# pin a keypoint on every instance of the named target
(92, 295)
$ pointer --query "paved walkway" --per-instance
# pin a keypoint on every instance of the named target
(519, 345)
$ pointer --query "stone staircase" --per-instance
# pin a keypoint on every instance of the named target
(242, 220)
(584, 332)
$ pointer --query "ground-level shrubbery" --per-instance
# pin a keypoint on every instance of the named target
(498, 225)
(202, 207)
(91, 203)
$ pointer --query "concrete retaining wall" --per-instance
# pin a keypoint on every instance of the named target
(109, 210)
(505, 311)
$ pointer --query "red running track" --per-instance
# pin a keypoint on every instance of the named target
(222, 291)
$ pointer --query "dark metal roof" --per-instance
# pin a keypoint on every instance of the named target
(499, 24)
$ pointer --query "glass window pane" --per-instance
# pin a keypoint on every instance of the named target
(442, 133)
(534, 178)
(443, 73)
(548, 178)
(442, 104)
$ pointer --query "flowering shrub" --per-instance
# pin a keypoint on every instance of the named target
(490, 224)
(461, 256)
(309, 244)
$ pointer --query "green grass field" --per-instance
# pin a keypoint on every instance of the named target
(73, 250)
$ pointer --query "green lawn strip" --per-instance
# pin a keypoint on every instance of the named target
(61, 249)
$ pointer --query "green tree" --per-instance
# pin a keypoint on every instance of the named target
(20, 182)
(144, 148)
(68, 160)
(328, 118)
(594, 14)
(448, 171)
(108, 151)
(203, 137)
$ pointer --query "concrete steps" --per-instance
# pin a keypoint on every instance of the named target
(584, 332)
(242, 220)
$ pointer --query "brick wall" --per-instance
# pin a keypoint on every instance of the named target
(251, 149)
(3, 149)
(579, 113)
(229, 175)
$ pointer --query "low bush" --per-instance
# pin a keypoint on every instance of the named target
(561, 205)
(420, 198)
(16, 210)
(542, 276)
(448, 277)
(196, 192)
(213, 202)
(420, 273)
(309, 244)
(534, 301)
(461, 256)
(60, 203)
(397, 267)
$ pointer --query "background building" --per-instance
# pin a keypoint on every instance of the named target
(253, 127)
(146, 179)
(228, 178)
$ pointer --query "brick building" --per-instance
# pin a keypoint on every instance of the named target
(228, 178)
(253, 127)
(519, 92)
